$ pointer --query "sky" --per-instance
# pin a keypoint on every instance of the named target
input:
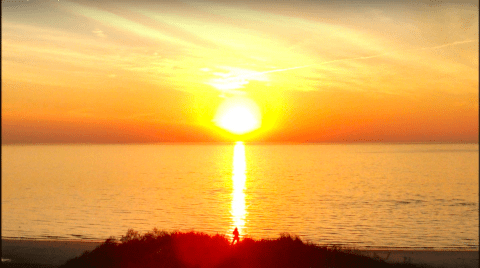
(158, 71)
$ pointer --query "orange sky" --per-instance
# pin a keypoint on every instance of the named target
(123, 72)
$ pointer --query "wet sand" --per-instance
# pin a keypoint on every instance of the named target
(42, 253)
(435, 258)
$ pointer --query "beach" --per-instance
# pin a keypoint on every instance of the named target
(435, 258)
(53, 253)
(44, 252)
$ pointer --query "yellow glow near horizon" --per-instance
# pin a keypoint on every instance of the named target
(239, 179)
(238, 115)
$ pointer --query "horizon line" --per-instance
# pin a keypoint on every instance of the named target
(236, 141)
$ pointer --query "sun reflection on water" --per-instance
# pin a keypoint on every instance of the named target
(239, 178)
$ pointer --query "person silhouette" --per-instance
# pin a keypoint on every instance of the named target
(236, 237)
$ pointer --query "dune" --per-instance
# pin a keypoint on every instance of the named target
(55, 253)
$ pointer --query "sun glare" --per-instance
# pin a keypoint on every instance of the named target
(239, 179)
(238, 115)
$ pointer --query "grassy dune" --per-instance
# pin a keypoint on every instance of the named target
(199, 250)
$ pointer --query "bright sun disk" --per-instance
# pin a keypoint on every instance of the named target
(238, 115)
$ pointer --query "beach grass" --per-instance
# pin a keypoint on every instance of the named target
(199, 250)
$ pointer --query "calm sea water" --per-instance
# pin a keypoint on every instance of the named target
(368, 195)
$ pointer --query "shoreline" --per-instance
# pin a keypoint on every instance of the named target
(344, 246)
(54, 253)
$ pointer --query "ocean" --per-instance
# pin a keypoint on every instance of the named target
(357, 195)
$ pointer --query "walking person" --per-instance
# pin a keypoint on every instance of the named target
(235, 236)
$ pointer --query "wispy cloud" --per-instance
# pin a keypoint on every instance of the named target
(237, 45)
(99, 33)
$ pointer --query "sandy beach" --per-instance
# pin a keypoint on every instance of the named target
(44, 252)
(53, 253)
(444, 259)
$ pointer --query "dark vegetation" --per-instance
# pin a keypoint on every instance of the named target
(199, 250)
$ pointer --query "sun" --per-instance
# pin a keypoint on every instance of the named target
(238, 115)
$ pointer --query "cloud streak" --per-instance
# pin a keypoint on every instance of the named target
(357, 58)
(99, 33)
(230, 83)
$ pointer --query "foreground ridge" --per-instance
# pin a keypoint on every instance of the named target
(196, 249)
